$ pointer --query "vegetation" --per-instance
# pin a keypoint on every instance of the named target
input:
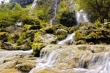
(98, 9)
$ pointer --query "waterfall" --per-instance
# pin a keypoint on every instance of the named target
(4, 1)
(81, 16)
(54, 7)
(46, 60)
(98, 64)
(34, 4)
(68, 40)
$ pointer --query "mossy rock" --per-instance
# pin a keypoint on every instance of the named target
(35, 27)
(37, 48)
(37, 39)
(4, 36)
(24, 65)
(13, 38)
(26, 27)
(7, 46)
(61, 34)
(22, 47)
(31, 20)
(92, 33)
(49, 29)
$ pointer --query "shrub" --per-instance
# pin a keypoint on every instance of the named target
(37, 48)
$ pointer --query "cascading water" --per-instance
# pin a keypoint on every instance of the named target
(81, 16)
(68, 40)
(34, 4)
(47, 60)
(54, 7)
(98, 64)
(4, 1)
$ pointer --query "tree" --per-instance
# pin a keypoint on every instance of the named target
(98, 9)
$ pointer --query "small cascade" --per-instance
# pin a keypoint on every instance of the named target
(99, 64)
(46, 60)
(68, 40)
(34, 4)
(81, 16)
(54, 8)
(19, 24)
(6, 54)
(4, 1)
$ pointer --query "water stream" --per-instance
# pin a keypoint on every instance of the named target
(46, 60)
(54, 7)
(68, 40)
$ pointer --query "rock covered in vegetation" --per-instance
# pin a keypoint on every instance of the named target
(93, 33)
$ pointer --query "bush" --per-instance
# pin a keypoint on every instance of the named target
(68, 19)
(37, 48)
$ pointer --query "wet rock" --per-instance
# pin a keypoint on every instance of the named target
(74, 56)
(7, 46)
(61, 34)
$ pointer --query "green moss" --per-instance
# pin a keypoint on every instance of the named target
(26, 27)
(49, 29)
(37, 39)
(21, 38)
(78, 35)
(37, 48)
(24, 65)
(61, 34)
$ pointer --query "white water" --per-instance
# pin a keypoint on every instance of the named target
(19, 24)
(55, 6)
(47, 60)
(7, 54)
(98, 64)
(34, 4)
(5, 1)
(81, 17)
(68, 40)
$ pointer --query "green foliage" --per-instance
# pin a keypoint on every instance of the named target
(11, 16)
(43, 10)
(37, 48)
(93, 33)
(78, 35)
(61, 34)
(98, 9)
(68, 19)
